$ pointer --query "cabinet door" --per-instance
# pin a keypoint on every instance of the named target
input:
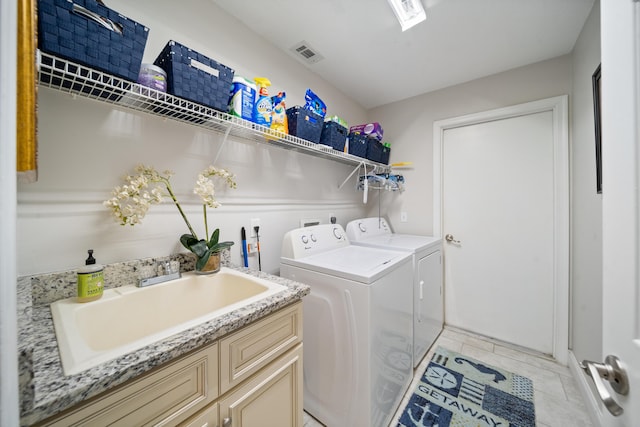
(163, 397)
(273, 398)
(208, 418)
(428, 309)
(245, 352)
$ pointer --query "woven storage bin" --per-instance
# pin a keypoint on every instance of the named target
(334, 135)
(193, 76)
(358, 144)
(374, 150)
(66, 29)
(304, 123)
(386, 153)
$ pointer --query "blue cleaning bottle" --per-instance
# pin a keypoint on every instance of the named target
(264, 105)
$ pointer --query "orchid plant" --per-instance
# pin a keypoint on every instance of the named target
(131, 201)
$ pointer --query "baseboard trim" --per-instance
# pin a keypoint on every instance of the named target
(590, 400)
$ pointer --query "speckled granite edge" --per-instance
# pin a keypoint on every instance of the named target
(46, 391)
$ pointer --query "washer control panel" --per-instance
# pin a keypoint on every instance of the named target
(306, 241)
(367, 227)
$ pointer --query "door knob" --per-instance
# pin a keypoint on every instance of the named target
(612, 371)
(449, 238)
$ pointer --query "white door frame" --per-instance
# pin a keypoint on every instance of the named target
(559, 108)
(9, 401)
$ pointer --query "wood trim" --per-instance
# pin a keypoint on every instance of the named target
(26, 85)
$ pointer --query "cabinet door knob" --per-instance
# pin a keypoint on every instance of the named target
(226, 422)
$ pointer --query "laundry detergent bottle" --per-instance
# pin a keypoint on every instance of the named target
(279, 116)
(264, 105)
(243, 98)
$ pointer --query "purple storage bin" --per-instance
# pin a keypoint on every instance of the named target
(371, 129)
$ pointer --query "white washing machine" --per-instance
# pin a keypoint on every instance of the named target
(357, 325)
(428, 316)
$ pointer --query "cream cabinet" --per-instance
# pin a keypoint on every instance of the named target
(251, 377)
(271, 398)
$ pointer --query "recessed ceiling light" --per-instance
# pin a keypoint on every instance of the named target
(408, 12)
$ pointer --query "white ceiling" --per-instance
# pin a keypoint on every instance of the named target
(370, 59)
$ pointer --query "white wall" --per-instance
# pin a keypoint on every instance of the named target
(409, 126)
(586, 245)
(204, 27)
(86, 146)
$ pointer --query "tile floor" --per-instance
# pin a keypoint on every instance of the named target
(558, 401)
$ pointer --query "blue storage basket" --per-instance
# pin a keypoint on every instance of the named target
(193, 76)
(374, 150)
(386, 153)
(91, 34)
(334, 135)
(358, 144)
(304, 123)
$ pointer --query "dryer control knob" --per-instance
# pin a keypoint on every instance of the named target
(304, 239)
(362, 227)
(313, 238)
(337, 233)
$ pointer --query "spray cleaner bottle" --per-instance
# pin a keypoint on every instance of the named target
(263, 106)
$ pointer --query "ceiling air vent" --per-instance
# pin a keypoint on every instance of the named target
(306, 53)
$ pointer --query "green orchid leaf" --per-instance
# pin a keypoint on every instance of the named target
(214, 238)
(188, 240)
(219, 246)
(200, 248)
(202, 260)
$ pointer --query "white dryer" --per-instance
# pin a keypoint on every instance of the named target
(427, 281)
(357, 325)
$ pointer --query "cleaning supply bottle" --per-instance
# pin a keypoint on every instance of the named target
(243, 98)
(279, 115)
(90, 280)
(263, 106)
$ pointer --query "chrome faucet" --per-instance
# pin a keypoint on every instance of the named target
(165, 271)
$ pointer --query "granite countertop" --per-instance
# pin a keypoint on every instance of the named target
(44, 390)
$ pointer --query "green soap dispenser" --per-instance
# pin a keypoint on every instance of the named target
(90, 280)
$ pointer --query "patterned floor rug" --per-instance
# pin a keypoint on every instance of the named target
(458, 391)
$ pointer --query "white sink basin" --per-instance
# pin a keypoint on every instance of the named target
(128, 318)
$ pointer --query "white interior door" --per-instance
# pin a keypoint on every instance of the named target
(502, 193)
(621, 217)
(498, 202)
